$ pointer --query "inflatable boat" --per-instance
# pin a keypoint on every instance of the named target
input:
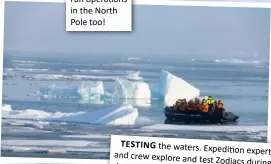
(198, 116)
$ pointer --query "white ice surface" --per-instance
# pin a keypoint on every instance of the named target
(53, 146)
(215, 128)
(114, 115)
(171, 88)
(91, 90)
(126, 89)
(55, 143)
(89, 136)
(134, 76)
(238, 61)
(35, 114)
(6, 108)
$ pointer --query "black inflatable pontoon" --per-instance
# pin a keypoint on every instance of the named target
(198, 116)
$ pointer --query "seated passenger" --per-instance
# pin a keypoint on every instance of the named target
(204, 106)
(177, 104)
(191, 105)
(211, 103)
(197, 103)
(220, 104)
(184, 105)
(220, 109)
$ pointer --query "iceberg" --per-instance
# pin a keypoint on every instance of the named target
(170, 88)
(54, 91)
(87, 91)
(125, 89)
(114, 115)
(91, 90)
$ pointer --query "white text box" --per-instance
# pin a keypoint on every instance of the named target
(152, 150)
(98, 15)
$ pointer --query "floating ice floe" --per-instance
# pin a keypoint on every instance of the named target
(7, 112)
(91, 90)
(170, 88)
(214, 128)
(6, 108)
(54, 91)
(131, 90)
(237, 61)
(114, 115)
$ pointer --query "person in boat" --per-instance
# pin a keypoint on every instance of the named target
(191, 105)
(177, 104)
(220, 108)
(180, 105)
(211, 103)
(197, 104)
(184, 105)
(204, 107)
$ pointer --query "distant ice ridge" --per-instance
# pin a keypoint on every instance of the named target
(238, 61)
(113, 115)
(134, 58)
(28, 62)
(130, 76)
(25, 70)
(54, 91)
(170, 88)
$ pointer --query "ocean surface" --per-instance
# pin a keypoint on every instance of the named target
(241, 84)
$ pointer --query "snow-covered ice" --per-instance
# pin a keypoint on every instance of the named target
(32, 113)
(131, 90)
(6, 108)
(134, 76)
(114, 115)
(91, 90)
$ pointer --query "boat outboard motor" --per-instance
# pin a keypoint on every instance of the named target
(229, 116)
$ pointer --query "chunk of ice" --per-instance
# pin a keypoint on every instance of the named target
(126, 89)
(114, 115)
(6, 108)
(91, 90)
(171, 88)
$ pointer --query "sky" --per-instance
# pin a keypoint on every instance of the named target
(197, 32)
